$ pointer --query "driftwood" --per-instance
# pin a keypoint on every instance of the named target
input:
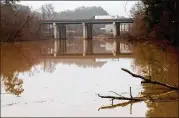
(149, 81)
(131, 99)
(119, 97)
(155, 98)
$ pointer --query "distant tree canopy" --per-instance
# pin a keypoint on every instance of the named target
(47, 12)
(81, 13)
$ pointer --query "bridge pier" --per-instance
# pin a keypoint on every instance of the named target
(116, 35)
(87, 31)
(55, 30)
(59, 31)
(62, 32)
(116, 29)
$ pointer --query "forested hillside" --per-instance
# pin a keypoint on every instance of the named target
(81, 13)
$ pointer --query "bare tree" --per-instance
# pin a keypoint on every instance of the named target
(47, 11)
(18, 24)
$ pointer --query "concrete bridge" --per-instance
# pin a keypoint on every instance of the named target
(59, 26)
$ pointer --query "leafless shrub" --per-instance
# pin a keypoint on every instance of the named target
(19, 24)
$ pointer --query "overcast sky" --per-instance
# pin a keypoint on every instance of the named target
(120, 8)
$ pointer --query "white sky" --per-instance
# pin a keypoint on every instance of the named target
(120, 8)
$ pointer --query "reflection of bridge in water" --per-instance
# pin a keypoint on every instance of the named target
(79, 62)
(87, 49)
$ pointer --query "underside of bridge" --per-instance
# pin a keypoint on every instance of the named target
(60, 35)
(59, 29)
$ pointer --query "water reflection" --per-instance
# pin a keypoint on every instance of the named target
(67, 75)
(86, 47)
(162, 66)
(16, 58)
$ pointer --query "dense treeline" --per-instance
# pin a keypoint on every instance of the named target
(156, 55)
(19, 23)
(156, 19)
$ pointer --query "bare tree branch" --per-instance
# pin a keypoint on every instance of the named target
(121, 98)
(19, 30)
(150, 81)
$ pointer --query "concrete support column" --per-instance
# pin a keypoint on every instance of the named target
(84, 31)
(87, 31)
(62, 32)
(50, 30)
(55, 31)
(116, 29)
(87, 36)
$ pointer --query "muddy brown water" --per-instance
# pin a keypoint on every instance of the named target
(36, 85)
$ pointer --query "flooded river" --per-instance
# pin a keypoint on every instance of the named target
(38, 79)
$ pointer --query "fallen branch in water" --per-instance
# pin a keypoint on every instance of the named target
(154, 98)
(132, 99)
(119, 97)
(150, 81)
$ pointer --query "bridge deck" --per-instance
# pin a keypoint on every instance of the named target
(90, 21)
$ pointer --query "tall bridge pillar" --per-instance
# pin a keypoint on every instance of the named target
(55, 30)
(116, 34)
(59, 31)
(62, 32)
(87, 36)
(87, 31)
(116, 29)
